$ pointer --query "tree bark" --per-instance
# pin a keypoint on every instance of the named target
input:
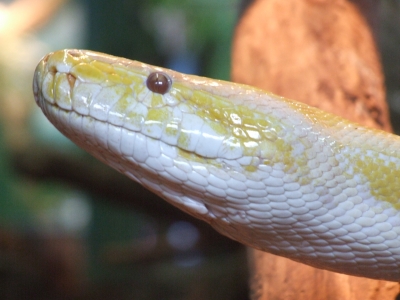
(320, 52)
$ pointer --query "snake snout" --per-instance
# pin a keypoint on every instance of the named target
(37, 80)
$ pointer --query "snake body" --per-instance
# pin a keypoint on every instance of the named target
(271, 173)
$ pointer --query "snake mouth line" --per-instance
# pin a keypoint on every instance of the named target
(69, 107)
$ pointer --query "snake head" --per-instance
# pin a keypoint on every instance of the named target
(271, 173)
(191, 136)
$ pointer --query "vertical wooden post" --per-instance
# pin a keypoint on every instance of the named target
(320, 52)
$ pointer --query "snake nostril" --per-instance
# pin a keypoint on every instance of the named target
(53, 70)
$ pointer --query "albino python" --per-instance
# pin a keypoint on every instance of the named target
(269, 172)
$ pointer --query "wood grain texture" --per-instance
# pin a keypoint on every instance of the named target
(317, 51)
(276, 277)
(320, 52)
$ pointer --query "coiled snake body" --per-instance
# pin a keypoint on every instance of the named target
(271, 173)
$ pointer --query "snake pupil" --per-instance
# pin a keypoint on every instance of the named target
(158, 82)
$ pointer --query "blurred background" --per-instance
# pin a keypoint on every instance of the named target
(71, 228)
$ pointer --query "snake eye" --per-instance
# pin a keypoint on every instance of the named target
(158, 82)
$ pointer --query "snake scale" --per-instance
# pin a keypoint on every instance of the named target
(269, 172)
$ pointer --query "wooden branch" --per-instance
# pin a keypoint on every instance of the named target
(320, 52)
(317, 51)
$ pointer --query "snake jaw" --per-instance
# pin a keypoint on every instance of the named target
(271, 173)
